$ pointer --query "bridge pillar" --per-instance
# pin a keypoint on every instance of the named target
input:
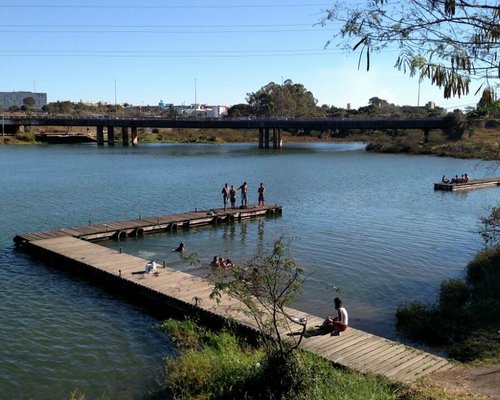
(266, 138)
(133, 135)
(125, 135)
(100, 135)
(261, 138)
(426, 135)
(277, 143)
(111, 135)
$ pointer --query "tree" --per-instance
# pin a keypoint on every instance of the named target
(265, 287)
(490, 228)
(450, 42)
(240, 110)
(28, 104)
(286, 100)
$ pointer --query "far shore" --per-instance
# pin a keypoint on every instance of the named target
(480, 142)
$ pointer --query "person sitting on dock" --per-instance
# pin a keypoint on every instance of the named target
(337, 324)
(150, 267)
(444, 179)
(222, 262)
(214, 263)
(181, 248)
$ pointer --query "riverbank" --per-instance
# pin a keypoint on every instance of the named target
(481, 140)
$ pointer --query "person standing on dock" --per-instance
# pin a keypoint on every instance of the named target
(261, 191)
(232, 196)
(225, 195)
(244, 190)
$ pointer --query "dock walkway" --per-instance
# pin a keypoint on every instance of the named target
(355, 349)
(471, 184)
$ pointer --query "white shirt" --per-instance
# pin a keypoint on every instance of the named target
(344, 318)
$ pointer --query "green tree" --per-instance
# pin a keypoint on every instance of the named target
(240, 110)
(286, 100)
(28, 104)
(449, 42)
(265, 287)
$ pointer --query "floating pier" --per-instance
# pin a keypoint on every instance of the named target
(164, 223)
(73, 250)
(471, 184)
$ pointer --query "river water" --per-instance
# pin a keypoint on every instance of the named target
(370, 224)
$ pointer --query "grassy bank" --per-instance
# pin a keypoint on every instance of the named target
(466, 320)
(482, 142)
(221, 365)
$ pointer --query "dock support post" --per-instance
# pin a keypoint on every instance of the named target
(266, 138)
(100, 135)
(133, 135)
(261, 138)
(125, 135)
(111, 135)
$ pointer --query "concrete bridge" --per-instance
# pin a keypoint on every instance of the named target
(269, 128)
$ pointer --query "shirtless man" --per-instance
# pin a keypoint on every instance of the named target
(244, 190)
(225, 195)
(261, 194)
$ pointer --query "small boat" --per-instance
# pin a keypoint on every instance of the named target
(471, 184)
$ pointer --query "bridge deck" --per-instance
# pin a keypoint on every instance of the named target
(355, 349)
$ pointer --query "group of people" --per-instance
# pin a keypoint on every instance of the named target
(229, 194)
(457, 179)
(221, 262)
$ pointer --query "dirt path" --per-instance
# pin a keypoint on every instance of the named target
(465, 382)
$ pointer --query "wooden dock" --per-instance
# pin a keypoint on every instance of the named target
(471, 184)
(354, 349)
(164, 223)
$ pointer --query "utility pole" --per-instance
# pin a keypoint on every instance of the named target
(195, 98)
(116, 107)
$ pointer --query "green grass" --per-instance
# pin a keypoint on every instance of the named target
(220, 365)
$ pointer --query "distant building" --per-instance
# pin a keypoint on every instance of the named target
(9, 99)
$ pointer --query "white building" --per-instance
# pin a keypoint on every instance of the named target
(9, 99)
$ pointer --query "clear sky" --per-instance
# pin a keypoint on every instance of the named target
(167, 50)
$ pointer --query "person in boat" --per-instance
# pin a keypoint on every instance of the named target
(466, 178)
(181, 248)
(444, 179)
(229, 263)
(337, 324)
(214, 263)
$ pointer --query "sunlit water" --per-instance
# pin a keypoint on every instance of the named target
(370, 224)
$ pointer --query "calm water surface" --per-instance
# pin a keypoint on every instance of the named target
(370, 224)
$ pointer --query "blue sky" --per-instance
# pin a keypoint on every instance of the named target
(163, 50)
